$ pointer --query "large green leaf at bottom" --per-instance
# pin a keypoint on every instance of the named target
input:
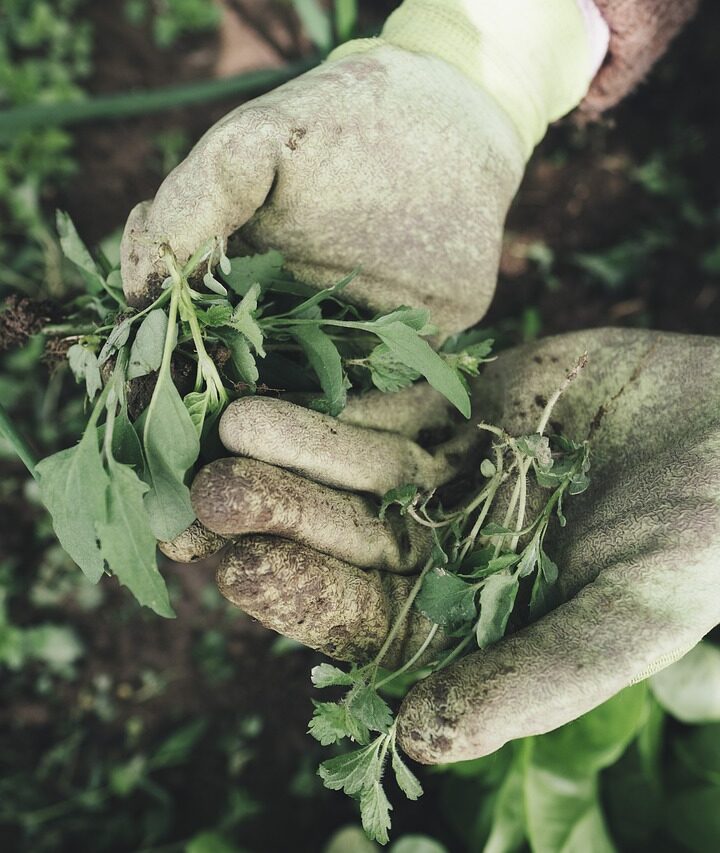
(73, 484)
(128, 543)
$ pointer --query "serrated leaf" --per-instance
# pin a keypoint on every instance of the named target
(406, 779)
(327, 675)
(128, 543)
(446, 599)
(84, 366)
(326, 363)
(387, 373)
(331, 723)
(73, 485)
(403, 496)
(375, 812)
(353, 771)
(216, 315)
(370, 709)
(497, 599)
(537, 447)
(263, 270)
(243, 319)
(243, 360)
(147, 350)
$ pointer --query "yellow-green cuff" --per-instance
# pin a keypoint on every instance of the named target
(532, 56)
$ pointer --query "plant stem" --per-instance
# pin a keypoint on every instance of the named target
(9, 432)
(569, 379)
(416, 657)
(402, 615)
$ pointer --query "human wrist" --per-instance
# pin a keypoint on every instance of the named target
(536, 60)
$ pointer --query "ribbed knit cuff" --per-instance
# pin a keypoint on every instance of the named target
(536, 59)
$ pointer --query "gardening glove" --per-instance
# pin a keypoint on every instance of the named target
(398, 156)
(639, 568)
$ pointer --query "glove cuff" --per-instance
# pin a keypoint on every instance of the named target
(536, 60)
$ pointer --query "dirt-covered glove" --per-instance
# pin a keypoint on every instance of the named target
(398, 156)
(639, 568)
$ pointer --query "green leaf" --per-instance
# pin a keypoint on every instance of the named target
(370, 709)
(346, 12)
(404, 496)
(690, 688)
(326, 362)
(693, 819)
(529, 559)
(543, 598)
(597, 739)
(507, 832)
(563, 814)
(418, 844)
(469, 360)
(76, 251)
(417, 318)
(176, 748)
(128, 543)
(117, 338)
(84, 366)
(332, 722)
(171, 449)
(243, 319)
(375, 812)
(210, 842)
(405, 344)
(214, 285)
(125, 778)
(242, 359)
(495, 529)
(147, 349)
(315, 22)
(196, 403)
(446, 599)
(406, 779)
(73, 486)
(497, 598)
(216, 315)
(307, 308)
(537, 447)
(126, 447)
(353, 771)
(387, 373)
(327, 675)
(263, 270)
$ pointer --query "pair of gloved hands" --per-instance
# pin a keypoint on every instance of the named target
(396, 161)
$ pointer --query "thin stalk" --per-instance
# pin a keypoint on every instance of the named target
(402, 615)
(416, 657)
(9, 432)
(569, 379)
(455, 653)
